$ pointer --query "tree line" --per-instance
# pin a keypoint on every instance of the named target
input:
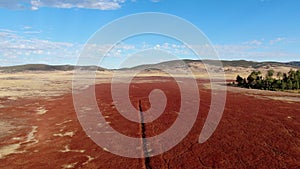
(282, 81)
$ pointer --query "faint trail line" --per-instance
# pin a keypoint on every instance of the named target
(144, 139)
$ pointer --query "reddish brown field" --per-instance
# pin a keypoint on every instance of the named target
(254, 132)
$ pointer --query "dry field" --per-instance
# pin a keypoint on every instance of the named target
(39, 127)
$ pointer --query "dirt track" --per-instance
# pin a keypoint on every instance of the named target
(254, 132)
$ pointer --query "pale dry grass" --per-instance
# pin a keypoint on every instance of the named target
(30, 139)
(55, 83)
(264, 94)
(39, 84)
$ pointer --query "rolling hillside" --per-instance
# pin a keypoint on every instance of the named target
(169, 64)
(44, 67)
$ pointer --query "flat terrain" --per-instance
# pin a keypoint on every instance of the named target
(259, 129)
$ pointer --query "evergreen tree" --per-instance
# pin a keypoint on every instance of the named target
(270, 73)
(283, 85)
(284, 81)
(252, 78)
(285, 77)
(239, 80)
(292, 74)
(296, 85)
(289, 84)
(279, 75)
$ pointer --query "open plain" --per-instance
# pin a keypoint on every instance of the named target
(40, 129)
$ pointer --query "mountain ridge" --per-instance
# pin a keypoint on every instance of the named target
(173, 64)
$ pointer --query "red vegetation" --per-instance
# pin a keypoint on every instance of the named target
(253, 132)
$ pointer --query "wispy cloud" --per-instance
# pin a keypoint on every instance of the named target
(250, 50)
(87, 4)
(253, 42)
(32, 32)
(16, 48)
(234, 52)
(279, 39)
(27, 27)
(20, 47)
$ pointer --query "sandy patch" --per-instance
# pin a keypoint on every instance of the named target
(14, 148)
(89, 160)
(69, 134)
(30, 137)
(67, 121)
(41, 111)
(5, 128)
(67, 149)
(72, 165)
(9, 149)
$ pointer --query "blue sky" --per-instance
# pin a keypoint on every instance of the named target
(54, 32)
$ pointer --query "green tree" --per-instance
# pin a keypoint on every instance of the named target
(296, 85)
(283, 85)
(270, 73)
(289, 84)
(284, 81)
(259, 84)
(253, 77)
(298, 74)
(292, 74)
(285, 77)
(239, 80)
(277, 84)
(279, 75)
(245, 84)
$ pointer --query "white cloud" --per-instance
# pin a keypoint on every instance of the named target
(13, 4)
(253, 52)
(274, 41)
(32, 32)
(21, 47)
(87, 4)
(27, 27)
(253, 42)
(248, 51)
(18, 48)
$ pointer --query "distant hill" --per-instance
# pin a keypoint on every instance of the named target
(244, 63)
(295, 63)
(44, 67)
(225, 63)
(169, 64)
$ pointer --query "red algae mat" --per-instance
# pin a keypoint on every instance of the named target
(253, 132)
